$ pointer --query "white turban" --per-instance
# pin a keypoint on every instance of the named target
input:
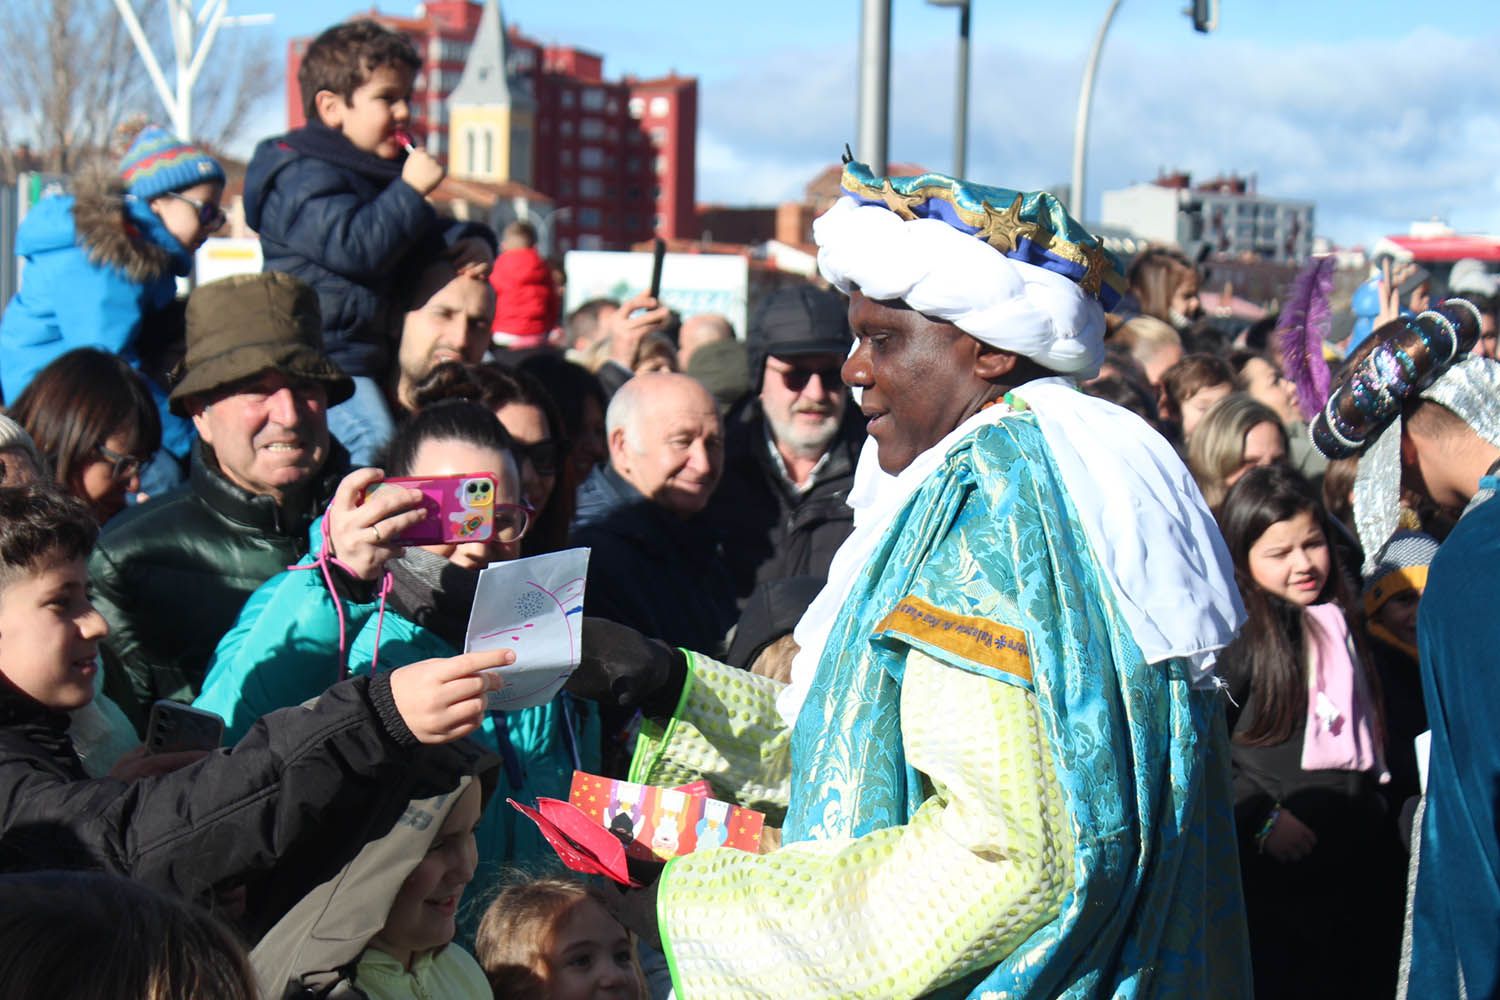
(944, 273)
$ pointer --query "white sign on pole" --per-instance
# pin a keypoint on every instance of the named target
(690, 282)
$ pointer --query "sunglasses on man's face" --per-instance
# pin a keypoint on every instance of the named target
(796, 379)
(543, 455)
(210, 216)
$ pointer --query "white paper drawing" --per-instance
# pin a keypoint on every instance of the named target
(535, 607)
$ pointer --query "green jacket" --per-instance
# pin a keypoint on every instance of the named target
(171, 575)
(284, 650)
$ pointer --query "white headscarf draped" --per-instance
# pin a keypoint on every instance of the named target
(1147, 525)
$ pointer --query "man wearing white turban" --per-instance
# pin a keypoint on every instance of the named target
(1001, 760)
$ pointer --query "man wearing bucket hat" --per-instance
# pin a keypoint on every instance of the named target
(1423, 413)
(1001, 759)
(171, 575)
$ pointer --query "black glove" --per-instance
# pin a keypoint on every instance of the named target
(619, 666)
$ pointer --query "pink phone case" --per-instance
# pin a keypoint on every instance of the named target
(459, 508)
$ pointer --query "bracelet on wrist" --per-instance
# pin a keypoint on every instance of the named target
(1267, 827)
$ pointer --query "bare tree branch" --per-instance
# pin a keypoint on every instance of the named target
(73, 77)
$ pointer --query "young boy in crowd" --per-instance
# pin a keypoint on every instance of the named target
(274, 815)
(1190, 388)
(341, 204)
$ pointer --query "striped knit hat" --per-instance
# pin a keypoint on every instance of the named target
(158, 163)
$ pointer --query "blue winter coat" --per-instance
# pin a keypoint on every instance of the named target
(283, 650)
(341, 220)
(98, 265)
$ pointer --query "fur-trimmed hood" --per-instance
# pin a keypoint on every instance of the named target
(113, 230)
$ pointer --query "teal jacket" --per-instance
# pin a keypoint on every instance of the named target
(284, 650)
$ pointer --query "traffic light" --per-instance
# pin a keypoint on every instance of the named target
(1205, 15)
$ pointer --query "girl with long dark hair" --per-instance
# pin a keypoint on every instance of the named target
(1321, 863)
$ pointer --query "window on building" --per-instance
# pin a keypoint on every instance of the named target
(591, 158)
(590, 187)
(612, 106)
(589, 218)
(590, 241)
(612, 134)
(566, 98)
(591, 128)
(661, 164)
(565, 157)
(592, 99)
(659, 136)
(489, 151)
(637, 107)
(565, 188)
(565, 128)
(470, 144)
(660, 107)
(519, 167)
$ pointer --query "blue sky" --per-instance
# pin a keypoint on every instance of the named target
(1381, 112)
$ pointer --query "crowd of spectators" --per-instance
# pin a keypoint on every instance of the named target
(186, 515)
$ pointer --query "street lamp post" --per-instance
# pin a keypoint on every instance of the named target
(961, 89)
(874, 83)
(1077, 196)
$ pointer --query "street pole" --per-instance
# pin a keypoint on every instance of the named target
(1078, 195)
(961, 98)
(874, 84)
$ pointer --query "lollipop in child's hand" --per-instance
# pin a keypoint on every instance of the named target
(405, 138)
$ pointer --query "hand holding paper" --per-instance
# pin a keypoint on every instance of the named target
(535, 608)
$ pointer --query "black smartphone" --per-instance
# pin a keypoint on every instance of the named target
(658, 254)
(174, 726)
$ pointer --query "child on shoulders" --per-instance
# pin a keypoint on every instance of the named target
(342, 204)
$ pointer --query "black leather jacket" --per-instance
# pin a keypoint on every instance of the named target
(171, 575)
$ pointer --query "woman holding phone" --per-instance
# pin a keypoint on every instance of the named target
(363, 601)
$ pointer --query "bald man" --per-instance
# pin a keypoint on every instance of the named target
(655, 564)
(700, 329)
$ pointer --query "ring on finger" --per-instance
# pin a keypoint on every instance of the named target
(376, 528)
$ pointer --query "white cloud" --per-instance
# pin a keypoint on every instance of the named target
(1376, 132)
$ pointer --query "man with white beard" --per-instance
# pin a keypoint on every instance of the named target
(781, 508)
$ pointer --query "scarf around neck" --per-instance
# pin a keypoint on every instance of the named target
(1146, 523)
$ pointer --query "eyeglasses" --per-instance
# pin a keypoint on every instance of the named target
(121, 466)
(210, 216)
(543, 455)
(511, 521)
(796, 379)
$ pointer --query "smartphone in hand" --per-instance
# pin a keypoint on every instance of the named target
(459, 508)
(174, 726)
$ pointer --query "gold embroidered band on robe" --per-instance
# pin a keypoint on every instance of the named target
(979, 641)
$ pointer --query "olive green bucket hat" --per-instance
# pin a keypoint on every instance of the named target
(241, 326)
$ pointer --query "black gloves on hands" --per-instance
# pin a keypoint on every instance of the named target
(619, 666)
